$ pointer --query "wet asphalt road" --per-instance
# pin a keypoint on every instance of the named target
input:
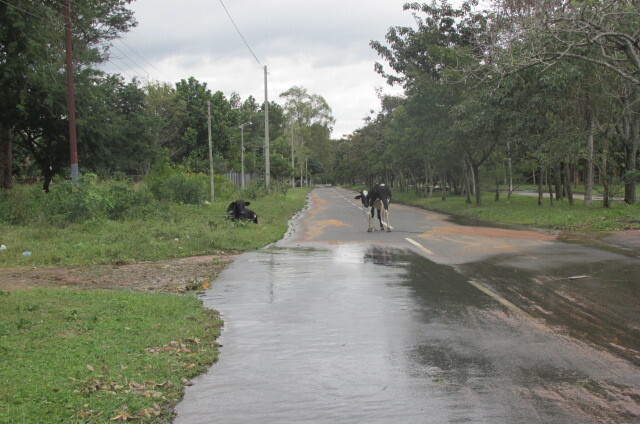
(434, 322)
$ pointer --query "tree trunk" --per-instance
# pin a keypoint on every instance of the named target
(48, 177)
(549, 185)
(6, 159)
(540, 186)
(605, 175)
(497, 196)
(588, 184)
(467, 181)
(632, 140)
(428, 171)
(443, 188)
(567, 183)
(557, 179)
(476, 182)
(509, 170)
(473, 180)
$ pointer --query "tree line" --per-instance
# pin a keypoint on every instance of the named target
(541, 92)
(130, 127)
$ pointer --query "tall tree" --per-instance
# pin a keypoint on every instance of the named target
(194, 135)
(310, 122)
(603, 33)
(32, 71)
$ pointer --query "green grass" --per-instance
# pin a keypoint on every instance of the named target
(180, 231)
(616, 190)
(523, 210)
(82, 356)
(105, 356)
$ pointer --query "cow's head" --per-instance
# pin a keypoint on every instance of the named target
(364, 196)
(234, 210)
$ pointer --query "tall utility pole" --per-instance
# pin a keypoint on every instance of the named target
(210, 150)
(73, 142)
(267, 165)
(242, 153)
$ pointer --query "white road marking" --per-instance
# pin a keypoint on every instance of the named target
(497, 297)
(475, 284)
(419, 246)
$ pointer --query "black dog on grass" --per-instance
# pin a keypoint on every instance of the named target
(238, 211)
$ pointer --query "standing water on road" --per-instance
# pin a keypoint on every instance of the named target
(433, 322)
(359, 334)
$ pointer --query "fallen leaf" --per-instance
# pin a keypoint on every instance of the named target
(90, 368)
(124, 416)
(578, 277)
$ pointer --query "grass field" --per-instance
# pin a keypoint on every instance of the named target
(179, 231)
(94, 356)
(523, 210)
(91, 356)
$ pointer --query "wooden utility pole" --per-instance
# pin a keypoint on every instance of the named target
(210, 150)
(73, 142)
(267, 164)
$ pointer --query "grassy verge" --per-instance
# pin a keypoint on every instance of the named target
(94, 357)
(523, 210)
(108, 356)
(179, 231)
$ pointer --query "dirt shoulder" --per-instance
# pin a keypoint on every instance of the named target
(185, 274)
(177, 275)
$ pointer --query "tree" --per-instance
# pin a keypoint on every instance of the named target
(32, 71)
(310, 122)
(166, 113)
(603, 33)
(193, 148)
(115, 127)
(428, 62)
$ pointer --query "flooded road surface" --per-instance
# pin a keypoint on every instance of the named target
(431, 323)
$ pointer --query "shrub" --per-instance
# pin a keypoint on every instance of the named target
(175, 184)
(66, 203)
(257, 188)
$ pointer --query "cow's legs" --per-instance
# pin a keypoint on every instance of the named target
(370, 218)
(380, 220)
(386, 218)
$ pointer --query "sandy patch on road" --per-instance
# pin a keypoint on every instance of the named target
(489, 232)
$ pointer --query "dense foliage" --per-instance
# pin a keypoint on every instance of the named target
(543, 93)
(127, 127)
(522, 92)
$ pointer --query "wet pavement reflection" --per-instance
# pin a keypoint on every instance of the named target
(355, 333)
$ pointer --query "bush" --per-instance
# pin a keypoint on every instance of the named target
(66, 203)
(20, 204)
(257, 188)
(175, 184)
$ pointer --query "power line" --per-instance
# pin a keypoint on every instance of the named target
(141, 57)
(23, 10)
(239, 33)
(109, 59)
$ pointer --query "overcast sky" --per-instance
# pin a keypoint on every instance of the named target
(321, 45)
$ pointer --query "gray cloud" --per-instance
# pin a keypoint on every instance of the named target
(321, 45)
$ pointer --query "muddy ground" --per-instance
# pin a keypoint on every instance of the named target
(173, 276)
(185, 274)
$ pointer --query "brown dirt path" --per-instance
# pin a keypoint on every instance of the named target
(167, 276)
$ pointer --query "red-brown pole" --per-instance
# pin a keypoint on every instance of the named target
(73, 142)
